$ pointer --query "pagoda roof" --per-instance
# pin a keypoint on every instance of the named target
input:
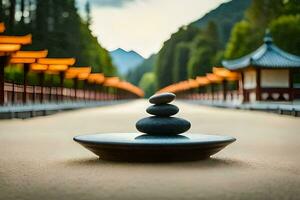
(266, 56)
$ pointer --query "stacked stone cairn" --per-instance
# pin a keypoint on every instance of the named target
(162, 123)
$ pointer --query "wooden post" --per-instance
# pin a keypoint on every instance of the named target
(13, 92)
(224, 83)
(90, 94)
(41, 76)
(258, 87)
(75, 87)
(242, 88)
(120, 94)
(95, 92)
(104, 93)
(50, 87)
(101, 92)
(237, 86)
(61, 79)
(3, 62)
(25, 72)
(116, 93)
(291, 85)
(85, 84)
(33, 93)
(212, 92)
(107, 92)
(56, 95)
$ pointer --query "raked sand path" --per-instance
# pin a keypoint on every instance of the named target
(39, 160)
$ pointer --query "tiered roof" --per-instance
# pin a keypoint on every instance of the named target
(267, 56)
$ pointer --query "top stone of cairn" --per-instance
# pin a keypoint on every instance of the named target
(162, 98)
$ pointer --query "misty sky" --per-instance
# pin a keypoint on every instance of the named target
(143, 25)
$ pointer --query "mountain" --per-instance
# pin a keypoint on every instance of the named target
(125, 60)
(135, 75)
(224, 16)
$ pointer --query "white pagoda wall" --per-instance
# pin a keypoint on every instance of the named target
(274, 78)
(250, 79)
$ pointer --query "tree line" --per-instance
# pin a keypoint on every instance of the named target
(281, 17)
(193, 51)
(56, 25)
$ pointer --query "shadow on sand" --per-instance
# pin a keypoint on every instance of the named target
(213, 162)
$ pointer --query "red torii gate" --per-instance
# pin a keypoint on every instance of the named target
(8, 46)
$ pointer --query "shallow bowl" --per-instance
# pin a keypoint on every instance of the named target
(149, 148)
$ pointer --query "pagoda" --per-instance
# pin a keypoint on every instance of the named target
(267, 74)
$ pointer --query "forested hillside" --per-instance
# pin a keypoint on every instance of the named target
(226, 33)
(225, 16)
(57, 26)
(282, 17)
(192, 50)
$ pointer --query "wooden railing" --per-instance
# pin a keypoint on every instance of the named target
(231, 95)
(13, 94)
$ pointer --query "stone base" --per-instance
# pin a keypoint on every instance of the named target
(133, 147)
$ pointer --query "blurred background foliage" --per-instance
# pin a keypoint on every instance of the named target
(232, 30)
(55, 25)
(148, 83)
(280, 16)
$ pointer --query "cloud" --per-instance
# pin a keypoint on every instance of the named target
(143, 25)
(110, 3)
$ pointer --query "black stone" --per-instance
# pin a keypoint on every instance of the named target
(163, 125)
(163, 110)
(159, 138)
(162, 98)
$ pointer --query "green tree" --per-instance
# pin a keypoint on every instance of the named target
(205, 48)
(57, 26)
(211, 34)
(262, 12)
(291, 7)
(243, 40)
(182, 54)
(41, 24)
(11, 20)
(217, 59)
(88, 13)
(1, 11)
(22, 9)
(225, 16)
(199, 62)
(92, 54)
(247, 35)
(287, 26)
(206, 37)
(148, 84)
(165, 61)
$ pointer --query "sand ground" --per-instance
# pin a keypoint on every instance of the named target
(39, 160)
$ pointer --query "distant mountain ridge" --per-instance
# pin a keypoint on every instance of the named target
(125, 60)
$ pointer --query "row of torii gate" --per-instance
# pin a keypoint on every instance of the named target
(221, 84)
(96, 86)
